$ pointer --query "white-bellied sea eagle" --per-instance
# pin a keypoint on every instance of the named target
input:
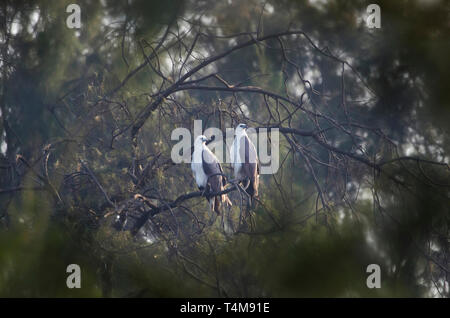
(208, 173)
(244, 160)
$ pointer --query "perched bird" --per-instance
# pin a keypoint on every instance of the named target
(208, 173)
(244, 160)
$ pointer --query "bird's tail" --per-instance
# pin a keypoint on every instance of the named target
(217, 205)
(217, 201)
(252, 188)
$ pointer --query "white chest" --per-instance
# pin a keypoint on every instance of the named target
(197, 168)
(235, 156)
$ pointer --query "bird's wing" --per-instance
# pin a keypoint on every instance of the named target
(210, 163)
(249, 157)
(251, 166)
(213, 170)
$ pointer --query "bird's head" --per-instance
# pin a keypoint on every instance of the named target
(241, 128)
(200, 140)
